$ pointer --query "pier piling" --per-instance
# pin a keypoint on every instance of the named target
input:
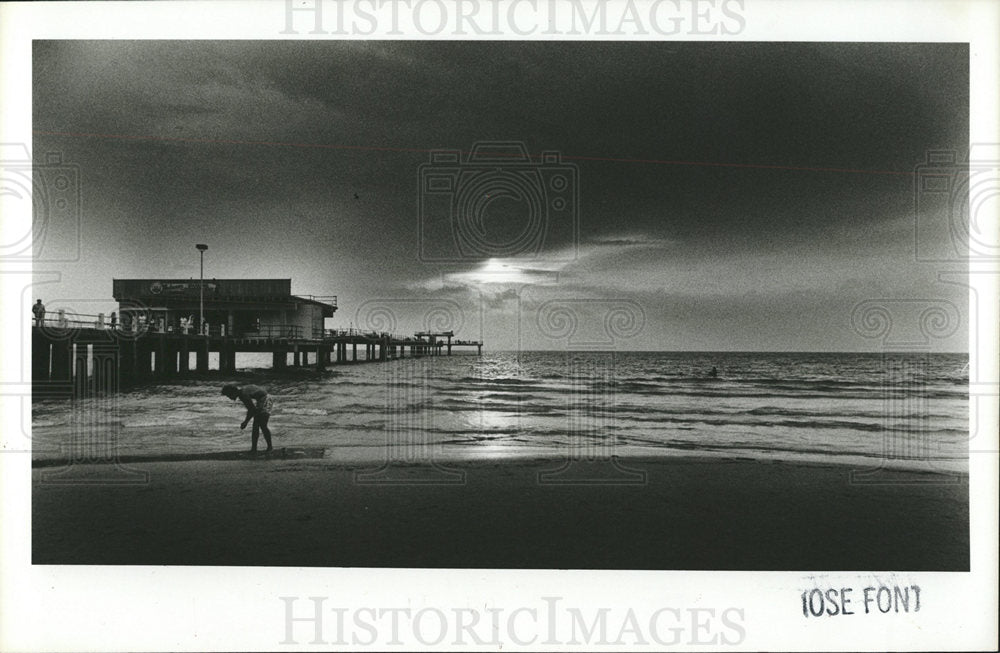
(184, 360)
(40, 356)
(106, 367)
(80, 388)
(61, 352)
(95, 358)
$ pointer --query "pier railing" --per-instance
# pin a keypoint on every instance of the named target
(130, 323)
(273, 331)
(330, 300)
(66, 321)
(63, 321)
(80, 354)
(137, 324)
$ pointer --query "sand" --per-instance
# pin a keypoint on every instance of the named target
(306, 510)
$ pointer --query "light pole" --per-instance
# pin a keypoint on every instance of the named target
(201, 290)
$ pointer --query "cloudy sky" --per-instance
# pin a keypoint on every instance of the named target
(734, 196)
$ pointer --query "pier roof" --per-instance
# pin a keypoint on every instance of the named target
(233, 293)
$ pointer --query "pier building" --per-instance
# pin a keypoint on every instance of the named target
(234, 307)
(155, 335)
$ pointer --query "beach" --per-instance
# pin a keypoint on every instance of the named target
(303, 507)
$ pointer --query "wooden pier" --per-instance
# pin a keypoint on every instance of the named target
(79, 356)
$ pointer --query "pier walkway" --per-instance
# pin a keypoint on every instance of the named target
(83, 354)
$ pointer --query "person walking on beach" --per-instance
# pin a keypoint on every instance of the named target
(258, 404)
(39, 310)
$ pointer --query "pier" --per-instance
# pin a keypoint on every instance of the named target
(74, 353)
(153, 337)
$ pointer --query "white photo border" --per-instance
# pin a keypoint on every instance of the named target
(211, 608)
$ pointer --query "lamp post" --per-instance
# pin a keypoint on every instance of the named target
(201, 290)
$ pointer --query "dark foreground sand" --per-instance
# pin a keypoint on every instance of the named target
(689, 514)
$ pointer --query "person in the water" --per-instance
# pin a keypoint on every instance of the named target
(259, 405)
(714, 373)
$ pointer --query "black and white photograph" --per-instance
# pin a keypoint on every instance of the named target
(394, 302)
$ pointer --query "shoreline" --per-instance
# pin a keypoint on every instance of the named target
(355, 455)
(654, 513)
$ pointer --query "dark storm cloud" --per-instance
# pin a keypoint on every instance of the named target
(300, 158)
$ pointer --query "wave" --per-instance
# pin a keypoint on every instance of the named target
(860, 414)
(502, 380)
(756, 448)
(282, 410)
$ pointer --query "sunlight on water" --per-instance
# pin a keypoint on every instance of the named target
(910, 409)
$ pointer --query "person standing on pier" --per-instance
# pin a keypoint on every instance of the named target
(259, 405)
(39, 310)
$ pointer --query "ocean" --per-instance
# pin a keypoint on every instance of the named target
(906, 411)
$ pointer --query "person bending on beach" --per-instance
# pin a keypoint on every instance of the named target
(258, 404)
